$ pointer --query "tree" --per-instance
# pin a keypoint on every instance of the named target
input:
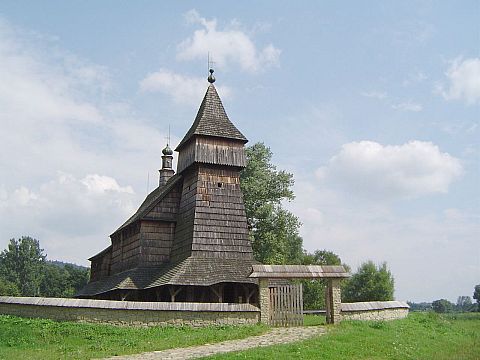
(274, 231)
(369, 283)
(21, 264)
(476, 296)
(442, 306)
(464, 303)
(8, 288)
(77, 277)
(314, 290)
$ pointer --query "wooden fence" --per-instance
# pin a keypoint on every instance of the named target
(286, 305)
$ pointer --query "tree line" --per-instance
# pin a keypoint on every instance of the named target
(464, 304)
(25, 271)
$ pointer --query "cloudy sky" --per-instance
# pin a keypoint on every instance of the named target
(374, 107)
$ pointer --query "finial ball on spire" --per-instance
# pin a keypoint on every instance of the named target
(211, 78)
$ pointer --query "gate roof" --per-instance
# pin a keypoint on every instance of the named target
(299, 271)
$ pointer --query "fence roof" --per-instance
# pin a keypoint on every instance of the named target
(299, 271)
(374, 305)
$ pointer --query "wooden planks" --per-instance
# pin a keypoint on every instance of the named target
(286, 305)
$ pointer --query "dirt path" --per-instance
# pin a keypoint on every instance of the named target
(273, 337)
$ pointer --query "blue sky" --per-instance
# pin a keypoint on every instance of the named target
(374, 107)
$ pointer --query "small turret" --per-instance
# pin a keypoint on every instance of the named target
(166, 172)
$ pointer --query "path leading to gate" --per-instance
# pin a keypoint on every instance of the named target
(274, 337)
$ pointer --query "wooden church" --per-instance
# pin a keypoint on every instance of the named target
(188, 241)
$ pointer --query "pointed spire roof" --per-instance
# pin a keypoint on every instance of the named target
(212, 120)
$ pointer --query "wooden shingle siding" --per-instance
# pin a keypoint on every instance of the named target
(211, 215)
(186, 214)
(157, 239)
(210, 150)
(101, 265)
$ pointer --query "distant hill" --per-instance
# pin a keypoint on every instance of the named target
(62, 264)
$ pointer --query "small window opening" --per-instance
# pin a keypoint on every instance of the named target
(219, 184)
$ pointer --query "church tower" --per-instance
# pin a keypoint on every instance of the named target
(211, 222)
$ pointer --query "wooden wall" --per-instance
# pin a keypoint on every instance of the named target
(101, 266)
(220, 226)
(212, 220)
(185, 218)
(211, 150)
(157, 239)
(126, 248)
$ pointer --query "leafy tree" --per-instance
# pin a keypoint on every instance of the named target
(55, 282)
(476, 296)
(274, 230)
(314, 290)
(369, 283)
(21, 264)
(442, 306)
(77, 276)
(464, 303)
(8, 288)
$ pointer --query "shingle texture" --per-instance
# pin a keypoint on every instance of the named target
(212, 120)
(374, 305)
(190, 271)
(298, 271)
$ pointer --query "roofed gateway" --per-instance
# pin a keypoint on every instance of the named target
(188, 241)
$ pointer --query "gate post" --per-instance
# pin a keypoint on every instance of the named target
(333, 299)
(264, 300)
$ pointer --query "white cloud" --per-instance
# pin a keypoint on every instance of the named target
(371, 170)
(464, 81)
(183, 89)
(67, 207)
(405, 236)
(230, 45)
(408, 106)
(380, 95)
(57, 117)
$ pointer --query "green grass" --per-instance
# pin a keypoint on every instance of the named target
(46, 339)
(425, 336)
(314, 320)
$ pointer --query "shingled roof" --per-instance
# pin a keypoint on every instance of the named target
(151, 200)
(190, 271)
(212, 120)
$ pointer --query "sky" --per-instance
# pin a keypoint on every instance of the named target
(373, 106)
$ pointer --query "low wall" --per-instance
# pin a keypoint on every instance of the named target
(375, 310)
(130, 312)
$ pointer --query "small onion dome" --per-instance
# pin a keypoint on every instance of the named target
(167, 151)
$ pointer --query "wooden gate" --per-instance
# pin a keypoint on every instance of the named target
(286, 305)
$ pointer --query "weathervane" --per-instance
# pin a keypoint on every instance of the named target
(211, 78)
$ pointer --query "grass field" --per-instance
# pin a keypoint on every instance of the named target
(46, 339)
(425, 336)
(420, 336)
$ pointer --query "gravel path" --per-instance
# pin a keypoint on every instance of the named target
(273, 337)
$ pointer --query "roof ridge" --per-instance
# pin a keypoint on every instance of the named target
(155, 195)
